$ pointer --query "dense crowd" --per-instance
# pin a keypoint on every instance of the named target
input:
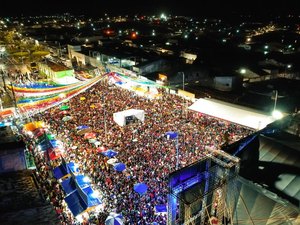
(149, 156)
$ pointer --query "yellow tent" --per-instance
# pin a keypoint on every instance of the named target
(139, 89)
(40, 53)
(33, 125)
(20, 54)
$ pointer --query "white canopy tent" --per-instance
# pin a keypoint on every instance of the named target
(233, 113)
(124, 117)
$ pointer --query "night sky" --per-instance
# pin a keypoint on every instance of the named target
(175, 7)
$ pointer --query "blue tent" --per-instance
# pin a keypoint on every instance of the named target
(5, 124)
(160, 209)
(92, 200)
(171, 135)
(119, 82)
(119, 167)
(75, 203)
(55, 143)
(73, 167)
(69, 185)
(81, 199)
(82, 180)
(64, 169)
(140, 188)
(110, 153)
(60, 171)
(44, 144)
(81, 127)
(114, 219)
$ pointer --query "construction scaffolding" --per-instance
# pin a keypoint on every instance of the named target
(204, 192)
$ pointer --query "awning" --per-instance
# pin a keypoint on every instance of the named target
(92, 199)
(69, 185)
(60, 171)
(127, 116)
(53, 153)
(6, 113)
(233, 113)
(39, 132)
(65, 169)
(75, 203)
(82, 199)
(33, 125)
(160, 209)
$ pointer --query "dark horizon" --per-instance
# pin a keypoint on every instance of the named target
(117, 7)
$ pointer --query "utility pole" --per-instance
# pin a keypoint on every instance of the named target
(14, 96)
(184, 111)
(59, 50)
(3, 79)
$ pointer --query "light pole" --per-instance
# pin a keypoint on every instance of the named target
(104, 112)
(3, 79)
(275, 99)
(14, 96)
(174, 136)
(276, 114)
(287, 69)
(183, 107)
(183, 80)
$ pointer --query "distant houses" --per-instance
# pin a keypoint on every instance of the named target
(52, 70)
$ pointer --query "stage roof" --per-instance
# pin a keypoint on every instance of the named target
(255, 205)
(233, 113)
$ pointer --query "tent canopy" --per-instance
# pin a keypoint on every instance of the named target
(65, 169)
(75, 203)
(81, 199)
(114, 219)
(69, 184)
(109, 153)
(33, 125)
(140, 188)
(160, 209)
(53, 153)
(233, 113)
(125, 117)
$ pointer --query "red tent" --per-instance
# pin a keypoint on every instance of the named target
(53, 153)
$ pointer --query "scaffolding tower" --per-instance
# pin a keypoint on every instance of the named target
(204, 192)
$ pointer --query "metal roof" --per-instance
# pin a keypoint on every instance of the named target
(258, 206)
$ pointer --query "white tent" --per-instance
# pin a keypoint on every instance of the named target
(233, 113)
(124, 117)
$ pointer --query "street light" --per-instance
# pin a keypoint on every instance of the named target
(275, 97)
(183, 79)
(276, 114)
(174, 136)
(287, 69)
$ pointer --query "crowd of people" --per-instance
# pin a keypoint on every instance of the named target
(142, 146)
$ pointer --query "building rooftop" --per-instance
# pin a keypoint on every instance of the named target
(270, 158)
(57, 67)
(21, 201)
